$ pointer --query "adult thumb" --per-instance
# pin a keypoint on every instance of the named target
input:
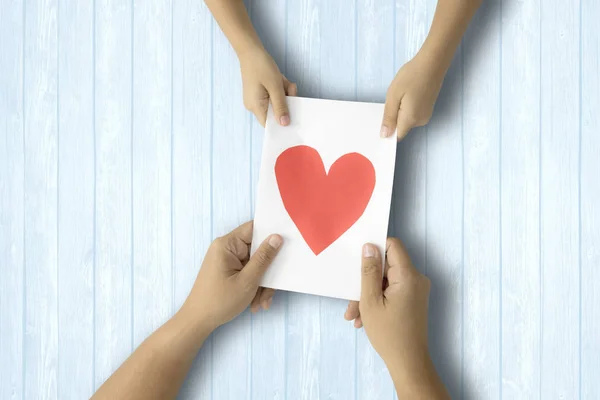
(372, 274)
(260, 260)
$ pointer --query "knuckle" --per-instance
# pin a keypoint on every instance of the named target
(219, 243)
(264, 256)
(369, 268)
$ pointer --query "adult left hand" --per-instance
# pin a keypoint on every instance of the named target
(228, 279)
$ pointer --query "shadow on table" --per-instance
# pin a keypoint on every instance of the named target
(408, 205)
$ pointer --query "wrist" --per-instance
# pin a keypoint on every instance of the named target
(249, 48)
(414, 375)
(198, 325)
(434, 59)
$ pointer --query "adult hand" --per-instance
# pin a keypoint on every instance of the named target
(394, 312)
(263, 83)
(412, 95)
(228, 279)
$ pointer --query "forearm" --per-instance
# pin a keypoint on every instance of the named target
(415, 377)
(159, 365)
(449, 24)
(233, 19)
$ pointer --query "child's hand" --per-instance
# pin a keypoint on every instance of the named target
(393, 310)
(263, 82)
(228, 279)
(411, 96)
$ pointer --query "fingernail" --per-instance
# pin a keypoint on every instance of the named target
(284, 120)
(385, 131)
(269, 303)
(368, 250)
(275, 241)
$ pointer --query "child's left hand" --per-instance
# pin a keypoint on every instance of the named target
(411, 96)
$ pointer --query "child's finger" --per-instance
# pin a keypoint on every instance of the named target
(390, 115)
(404, 126)
(277, 95)
(291, 89)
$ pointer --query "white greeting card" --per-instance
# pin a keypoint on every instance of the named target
(325, 186)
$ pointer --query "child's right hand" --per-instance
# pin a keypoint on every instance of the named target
(263, 83)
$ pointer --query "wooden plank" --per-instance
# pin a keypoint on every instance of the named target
(12, 253)
(113, 243)
(338, 81)
(41, 195)
(76, 199)
(481, 134)
(192, 113)
(303, 341)
(231, 193)
(520, 212)
(268, 328)
(444, 222)
(559, 190)
(408, 216)
(374, 70)
(408, 213)
(152, 167)
(589, 218)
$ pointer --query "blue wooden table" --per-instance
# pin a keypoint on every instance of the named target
(125, 149)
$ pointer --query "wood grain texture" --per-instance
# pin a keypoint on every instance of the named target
(269, 334)
(76, 213)
(445, 233)
(41, 137)
(374, 66)
(559, 191)
(192, 141)
(152, 167)
(481, 163)
(338, 80)
(231, 191)
(589, 217)
(114, 134)
(520, 197)
(12, 251)
(408, 214)
(303, 66)
(125, 149)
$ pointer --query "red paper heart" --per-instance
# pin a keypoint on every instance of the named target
(323, 205)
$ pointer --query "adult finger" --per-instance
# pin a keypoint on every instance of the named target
(260, 260)
(372, 275)
(255, 304)
(390, 115)
(266, 298)
(358, 322)
(244, 232)
(280, 109)
(352, 312)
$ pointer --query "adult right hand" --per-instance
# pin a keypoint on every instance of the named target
(393, 308)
